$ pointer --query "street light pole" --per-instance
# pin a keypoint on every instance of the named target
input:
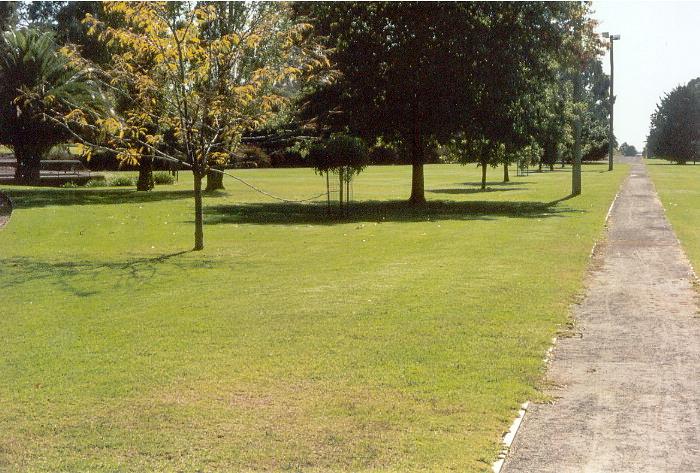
(611, 134)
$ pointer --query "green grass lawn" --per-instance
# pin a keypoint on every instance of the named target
(397, 340)
(679, 192)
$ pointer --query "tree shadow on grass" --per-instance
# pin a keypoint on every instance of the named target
(467, 190)
(79, 277)
(498, 184)
(376, 211)
(37, 197)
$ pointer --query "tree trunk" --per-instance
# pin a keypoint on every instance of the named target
(483, 175)
(198, 217)
(340, 191)
(145, 181)
(215, 180)
(417, 177)
(551, 166)
(28, 166)
(576, 165)
(328, 192)
(506, 177)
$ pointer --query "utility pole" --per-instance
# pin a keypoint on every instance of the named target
(611, 134)
(576, 165)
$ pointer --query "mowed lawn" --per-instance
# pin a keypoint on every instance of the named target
(679, 191)
(395, 340)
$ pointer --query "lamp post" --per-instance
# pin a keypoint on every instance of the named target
(611, 137)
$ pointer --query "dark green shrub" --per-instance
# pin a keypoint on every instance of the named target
(249, 156)
(383, 155)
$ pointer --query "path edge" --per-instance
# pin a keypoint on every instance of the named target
(693, 273)
(509, 436)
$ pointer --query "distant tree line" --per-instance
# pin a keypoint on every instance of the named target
(674, 133)
(628, 150)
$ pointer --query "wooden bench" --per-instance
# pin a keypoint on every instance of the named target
(63, 167)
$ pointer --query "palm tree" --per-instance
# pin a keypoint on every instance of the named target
(37, 82)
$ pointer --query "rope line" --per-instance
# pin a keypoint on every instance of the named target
(256, 189)
(242, 181)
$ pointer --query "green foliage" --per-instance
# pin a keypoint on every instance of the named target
(675, 125)
(251, 156)
(381, 154)
(122, 181)
(420, 73)
(163, 178)
(340, 153)
(628, 150)
(36, 81)
(92, 183)
(69, 185)
(59, 151)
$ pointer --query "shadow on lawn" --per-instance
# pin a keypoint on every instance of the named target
(88, 278)
(79, 277)
(463, 190)
(496, 184)
(33, 197)
(384, 211)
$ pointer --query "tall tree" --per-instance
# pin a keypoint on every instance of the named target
(675, 125)
(406, 72)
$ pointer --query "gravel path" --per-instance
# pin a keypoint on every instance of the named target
(627, 384)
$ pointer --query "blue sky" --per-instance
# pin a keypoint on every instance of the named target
(659, 49)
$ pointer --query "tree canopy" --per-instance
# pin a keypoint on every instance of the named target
(418, 73)
(675, 125)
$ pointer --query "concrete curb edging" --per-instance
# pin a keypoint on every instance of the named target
(509, 437)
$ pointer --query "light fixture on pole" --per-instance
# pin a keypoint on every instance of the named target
(611, 135)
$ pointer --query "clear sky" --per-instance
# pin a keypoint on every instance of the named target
(659, 49)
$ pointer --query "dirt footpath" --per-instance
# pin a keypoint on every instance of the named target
(627, 384)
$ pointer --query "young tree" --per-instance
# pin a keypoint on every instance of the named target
(193, 86)
(343, 155)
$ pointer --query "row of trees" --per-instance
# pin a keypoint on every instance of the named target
(189, 82)
(492, 80)
(674, 133)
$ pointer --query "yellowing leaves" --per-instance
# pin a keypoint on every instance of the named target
(76, 116)
(253, 40)
(180, 78)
